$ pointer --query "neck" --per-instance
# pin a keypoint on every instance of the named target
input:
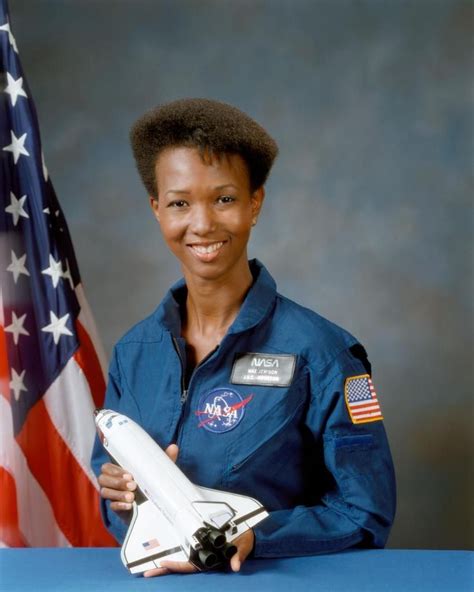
(213, 305)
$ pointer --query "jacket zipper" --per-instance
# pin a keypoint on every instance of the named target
(184, 390)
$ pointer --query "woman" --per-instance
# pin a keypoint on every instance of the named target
(248, 390)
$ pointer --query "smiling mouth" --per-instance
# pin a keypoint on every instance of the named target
(204, 249)
(206, 252)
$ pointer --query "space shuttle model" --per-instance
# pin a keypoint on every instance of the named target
(172, 519)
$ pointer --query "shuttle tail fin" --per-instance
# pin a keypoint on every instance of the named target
(150, 538)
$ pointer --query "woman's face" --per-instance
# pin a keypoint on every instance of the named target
(206, 210)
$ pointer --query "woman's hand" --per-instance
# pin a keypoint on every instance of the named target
(244, 544)
(118, 486)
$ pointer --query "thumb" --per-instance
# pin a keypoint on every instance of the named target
(235, 562)
(172, 451)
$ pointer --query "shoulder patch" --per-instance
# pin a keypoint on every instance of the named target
(361, 399)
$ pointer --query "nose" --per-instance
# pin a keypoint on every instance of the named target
(203, 221)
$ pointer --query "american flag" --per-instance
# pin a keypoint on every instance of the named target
(361, 399)
(152, 544)
(51, 376)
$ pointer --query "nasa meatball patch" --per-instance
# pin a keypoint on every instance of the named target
(263, 369)
(361, 399)
(221, 410)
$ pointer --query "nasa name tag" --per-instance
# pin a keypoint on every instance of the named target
(263, 369)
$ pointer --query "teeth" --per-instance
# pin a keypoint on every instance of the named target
(209, 249)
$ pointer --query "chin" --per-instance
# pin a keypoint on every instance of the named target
(210, 271)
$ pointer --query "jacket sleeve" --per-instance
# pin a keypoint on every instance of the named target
(117, 398)
(356, 504)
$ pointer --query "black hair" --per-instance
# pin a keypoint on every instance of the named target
(210, 126)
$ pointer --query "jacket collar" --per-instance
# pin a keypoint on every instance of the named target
(257, 303)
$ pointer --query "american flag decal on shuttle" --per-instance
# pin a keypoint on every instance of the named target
(361, 399)
(153, 544)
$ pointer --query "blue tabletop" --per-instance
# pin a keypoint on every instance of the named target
(100, 570)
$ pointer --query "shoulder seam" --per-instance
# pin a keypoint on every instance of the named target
(323, 386)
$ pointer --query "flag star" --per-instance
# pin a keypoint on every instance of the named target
(15, 88)
(57, 326)
(55, 270)
(16, 384)
(45, 170)
(17, 147)
(46, 211)
(16, 208)
(17, 266)
(6, 27)
(17, 327)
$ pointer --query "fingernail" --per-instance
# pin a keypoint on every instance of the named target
(129, 497)
(131, 485)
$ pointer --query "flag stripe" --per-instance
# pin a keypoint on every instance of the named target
(360, 410)
(71, 410)
(373, 414)
(36, 520)
(10, 534)
(4, 370)
(87, 359)
(86, 319)
(53, 463)
(360, 403)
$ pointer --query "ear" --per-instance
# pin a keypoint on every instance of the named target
(154, 207)
(257, 200)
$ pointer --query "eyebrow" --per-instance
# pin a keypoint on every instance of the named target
(185, 192)
(177, 191)
(226, 185)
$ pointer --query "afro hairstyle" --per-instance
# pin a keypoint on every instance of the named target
(210, 126)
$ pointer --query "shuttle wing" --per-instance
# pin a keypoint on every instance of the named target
(221, 508)
(150, 538)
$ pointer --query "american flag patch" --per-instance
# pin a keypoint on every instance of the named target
(361, 399)
(153, 544)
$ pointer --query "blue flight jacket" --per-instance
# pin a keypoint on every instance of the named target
(263, 415)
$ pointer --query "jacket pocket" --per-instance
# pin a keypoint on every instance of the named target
(261, 451)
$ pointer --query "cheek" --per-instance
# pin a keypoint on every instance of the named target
(239, 222)
(171, 229)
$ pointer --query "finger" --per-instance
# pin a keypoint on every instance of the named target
(244, 544)
(120, 506)
(159, 571)
(179, 566)
(114, 470)
(235, 562)
(172, 451)
(114, 482)
(117, 495)
(116, 477)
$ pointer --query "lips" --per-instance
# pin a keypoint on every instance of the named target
(206, 251)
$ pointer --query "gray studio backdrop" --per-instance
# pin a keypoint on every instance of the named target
(367, 218)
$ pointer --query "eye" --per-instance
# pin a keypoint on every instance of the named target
(177, 203)
(225, 199)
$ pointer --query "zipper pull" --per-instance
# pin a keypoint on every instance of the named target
(184, 396)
